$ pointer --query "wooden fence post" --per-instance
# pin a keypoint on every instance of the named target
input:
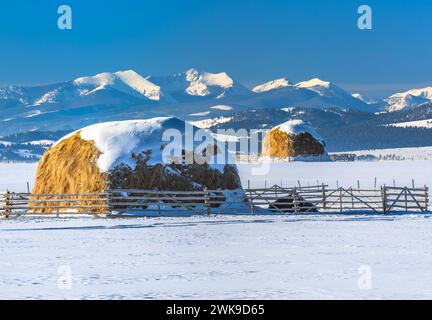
(384, 198)
(295, 203)
(7, 205)
(57, 197)
(324, 196)
(426, 198)
(207, 201)
(158, 203)
(251, 201)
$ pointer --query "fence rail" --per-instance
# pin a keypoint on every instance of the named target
(273, 200)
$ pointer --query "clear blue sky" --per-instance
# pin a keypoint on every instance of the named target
(254, 41)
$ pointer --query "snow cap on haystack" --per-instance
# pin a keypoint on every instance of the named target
(293, 138)
(127, 154)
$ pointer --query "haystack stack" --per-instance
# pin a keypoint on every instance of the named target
(292, 139)
(126, 155)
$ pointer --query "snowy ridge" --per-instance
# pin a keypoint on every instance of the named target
(200, 83)
(272, 85)
(409, 99)
(316, 84)
(193, 93)
(194, 84)
(127, 81)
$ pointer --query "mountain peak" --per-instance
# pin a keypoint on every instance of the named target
(315, 82)
(200, 82)
(272, 85)
(127, 81)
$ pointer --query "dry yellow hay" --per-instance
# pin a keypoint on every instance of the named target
(70, 167)
(279, 144)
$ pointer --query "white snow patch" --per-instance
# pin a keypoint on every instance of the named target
(49, 97)
(6, 143)
(33, 113)
(363, 98)
(414, 124)
(288, 109)
(43, 142)
(198, 114)
(208, 123)
(222, 107)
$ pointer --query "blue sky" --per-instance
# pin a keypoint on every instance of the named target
(254, 41)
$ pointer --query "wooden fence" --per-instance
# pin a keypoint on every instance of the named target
(274, 200)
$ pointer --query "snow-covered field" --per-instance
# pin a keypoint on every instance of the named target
(295, 257)
(338, 173)
(14, 176)
(421, 153)
(304, 257)
(416, 124)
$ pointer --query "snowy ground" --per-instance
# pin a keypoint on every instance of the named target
(14, 176)
(295, 257)
(421, 153)
(338, 173)
(305, 257)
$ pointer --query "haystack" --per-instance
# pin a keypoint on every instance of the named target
(126, 155)
(292, 139)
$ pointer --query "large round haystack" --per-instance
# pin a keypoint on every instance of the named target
(128, 155)
(293, 138)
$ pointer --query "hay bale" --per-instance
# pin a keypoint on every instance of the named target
(68, 168)
(292, 139)
(124, 155)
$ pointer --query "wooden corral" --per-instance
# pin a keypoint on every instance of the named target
(284, 200)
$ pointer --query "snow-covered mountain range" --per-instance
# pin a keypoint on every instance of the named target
(409, 99)
(190, 95)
